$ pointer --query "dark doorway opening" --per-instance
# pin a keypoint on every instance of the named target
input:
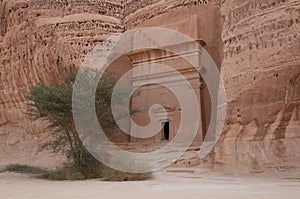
(166, 131)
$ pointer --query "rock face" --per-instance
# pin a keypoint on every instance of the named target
(254, 42)
(261, 72)
(41, 41)
(259, 60)
(137, 12)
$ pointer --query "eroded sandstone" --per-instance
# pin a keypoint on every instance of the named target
(255, 43)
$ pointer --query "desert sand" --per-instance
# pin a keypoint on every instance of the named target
(162, 186)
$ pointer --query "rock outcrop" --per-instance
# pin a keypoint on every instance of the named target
(41, 41)
(260, 69)
(254, 42)
(261, 72)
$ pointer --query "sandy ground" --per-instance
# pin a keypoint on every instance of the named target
(19, 186)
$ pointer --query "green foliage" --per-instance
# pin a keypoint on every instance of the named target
(17, 168)
(54, 103)
(110, 174)
(71, 172)
(65, 173)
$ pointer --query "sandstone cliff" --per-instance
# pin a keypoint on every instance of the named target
(260, 60)
(41, 41)
(261, 71)
(254, 42)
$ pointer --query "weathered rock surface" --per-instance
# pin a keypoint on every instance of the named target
(260, 69)
(136, 11)
(41, 41)
(261, 72)
(255, 42)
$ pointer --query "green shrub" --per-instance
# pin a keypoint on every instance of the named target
(54, 103)
(64, 173)
(110, 174)
(71, 172)
(17, 168)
